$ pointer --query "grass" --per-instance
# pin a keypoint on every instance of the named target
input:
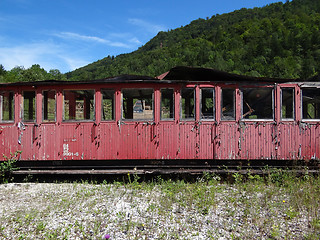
(278, 205)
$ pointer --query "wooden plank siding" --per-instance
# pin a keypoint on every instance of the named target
(121, 139)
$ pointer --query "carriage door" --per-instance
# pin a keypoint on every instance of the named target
(207, 126)
(226, 137)
(8, 142)
(47, 130)
(189, 147)
(137, 126)
(27, 127)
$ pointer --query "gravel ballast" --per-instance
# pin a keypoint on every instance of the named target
(135, 211)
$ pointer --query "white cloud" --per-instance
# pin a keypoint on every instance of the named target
(56, 54)
(74, 51)
(135, 41)
(79, 37)
(48, 55)
(76, 36)
(24, 55)
(74, 63)
(152, 28)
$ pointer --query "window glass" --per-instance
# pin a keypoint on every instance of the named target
(137, 104)
(49, 105)
(7, 106)
(187, 103)
(228, 102)
(78, 105)
(207, 103)
(287, 103)
(311, 103)
(107, 104)
(29, 106)
(167, 103)
(257, 103)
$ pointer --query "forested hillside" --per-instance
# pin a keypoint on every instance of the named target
(32, 74)
(278, 40)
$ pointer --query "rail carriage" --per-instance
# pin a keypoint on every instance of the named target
(194, 115)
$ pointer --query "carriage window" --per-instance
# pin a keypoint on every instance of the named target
(167, 104)
(7, 106)
(78, 105)
(228, 102)
(310, 103)
(187, 103)
(287, 103)
(137, 104)
(49, 105)
(257, 103)
(29, 106)
(207, 103)
(107, 105)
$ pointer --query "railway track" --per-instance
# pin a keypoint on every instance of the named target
(163, 167)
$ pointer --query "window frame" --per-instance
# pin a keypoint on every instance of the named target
(301, 102)
(55, 106)
(79, 120)
(173, 105)
(138, 119)
(194, 105)
(221, 104)
(113, 105)
(293, 104)
(34, 106)
(202, 118)
(272, 105)
(1, 106)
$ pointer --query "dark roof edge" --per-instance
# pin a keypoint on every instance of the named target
(118, 79)
(208, 74)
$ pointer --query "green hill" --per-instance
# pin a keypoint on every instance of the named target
(278, 40)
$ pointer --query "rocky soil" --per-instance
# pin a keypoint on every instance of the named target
(152, 211)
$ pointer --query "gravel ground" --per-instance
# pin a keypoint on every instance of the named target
(90, 211)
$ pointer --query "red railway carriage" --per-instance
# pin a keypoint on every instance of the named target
(187, 113)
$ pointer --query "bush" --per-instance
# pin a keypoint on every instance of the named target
(7, 166)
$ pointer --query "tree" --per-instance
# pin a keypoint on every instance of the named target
(55, 74)
(34, 73)
(2, 73)
(2, 70)
(14, 75)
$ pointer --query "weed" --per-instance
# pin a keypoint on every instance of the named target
(7, 166)
(238, 177)
(210, 178)
(40, 226)
(275, 231)
(28, 178)
(255, 178)
(291, 213)
(315, 224)
(52, 234)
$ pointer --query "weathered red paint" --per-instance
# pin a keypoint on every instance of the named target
(157, 139)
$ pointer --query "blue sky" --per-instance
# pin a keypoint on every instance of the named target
(68, 34)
